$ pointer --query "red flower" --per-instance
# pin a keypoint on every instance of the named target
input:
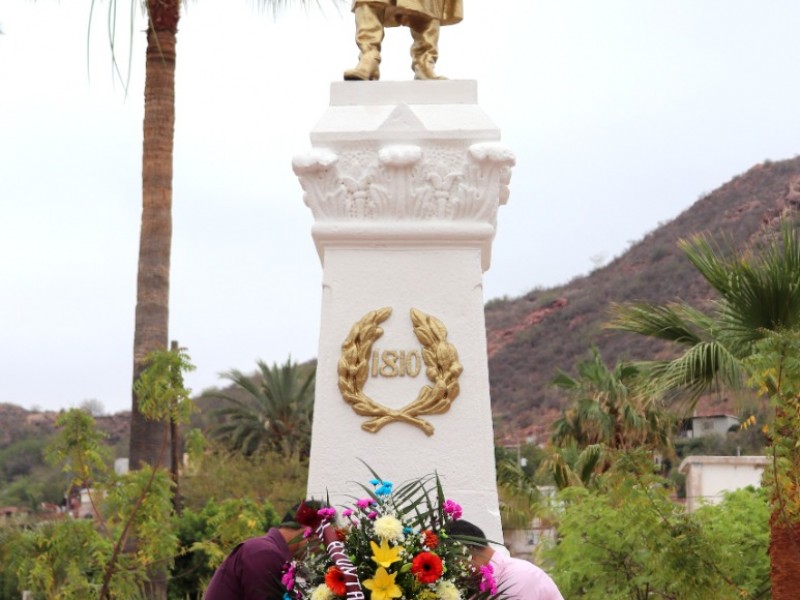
(427, 567)
(430, 539)
(334, 579)
(341, 534)
(307, 515)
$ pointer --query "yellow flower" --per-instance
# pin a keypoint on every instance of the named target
(383, 586)
(383, 554)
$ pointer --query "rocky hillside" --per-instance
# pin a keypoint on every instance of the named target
(17, 424)
(530, 338)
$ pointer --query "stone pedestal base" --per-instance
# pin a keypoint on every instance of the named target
(404, 180)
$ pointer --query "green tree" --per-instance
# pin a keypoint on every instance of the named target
(9, 584)
(163, 397)
(607, 407)
(609, 410)
(69, 558)
(759, 298)
(775, 371)
(739, 528)
(275, 412)
(133, 537)
(263, 477)
(518, 488)
(21, 457)
(625, 539)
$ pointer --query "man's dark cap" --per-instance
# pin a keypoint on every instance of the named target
(467, 533)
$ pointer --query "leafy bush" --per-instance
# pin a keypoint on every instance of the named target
(626, 539)
(739, 529)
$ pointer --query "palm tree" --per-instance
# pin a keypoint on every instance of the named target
(149, 439)
(274, 413)
(608, 408)
(759, 298)
(609, 413)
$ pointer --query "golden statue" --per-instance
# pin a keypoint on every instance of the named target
(422, 17)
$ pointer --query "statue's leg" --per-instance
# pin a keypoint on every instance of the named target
(369, 36)
(425, 49)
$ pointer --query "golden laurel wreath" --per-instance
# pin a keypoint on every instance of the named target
(441, 362)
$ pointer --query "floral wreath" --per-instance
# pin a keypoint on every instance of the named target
(389, 545)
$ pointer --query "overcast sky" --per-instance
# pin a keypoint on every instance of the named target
(621, 113)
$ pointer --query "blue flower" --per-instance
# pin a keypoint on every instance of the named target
(375, 481)
(384, 489)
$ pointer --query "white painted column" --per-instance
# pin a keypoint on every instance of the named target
(404, 180)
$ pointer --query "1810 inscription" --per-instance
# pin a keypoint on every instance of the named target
(396, 363)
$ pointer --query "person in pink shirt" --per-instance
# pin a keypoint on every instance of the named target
(515, 578)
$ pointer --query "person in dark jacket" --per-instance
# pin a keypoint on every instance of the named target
(252, 571)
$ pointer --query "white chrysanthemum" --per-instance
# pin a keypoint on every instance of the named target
(389, 527)
(446, 590)
(322, 592)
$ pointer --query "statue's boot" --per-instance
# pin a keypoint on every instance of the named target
(369, 36)
(425, 49)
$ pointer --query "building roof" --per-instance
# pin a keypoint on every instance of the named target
(738, 461)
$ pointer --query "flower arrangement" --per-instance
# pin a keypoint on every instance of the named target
(389, 545)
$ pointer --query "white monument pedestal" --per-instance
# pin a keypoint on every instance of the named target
(404, 180)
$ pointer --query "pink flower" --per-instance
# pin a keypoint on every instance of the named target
(365, 502)
(347, 512)
(453, 509)
(307, 533)
(327, 513)
(488, 584)
(288, 577)
(373, 515)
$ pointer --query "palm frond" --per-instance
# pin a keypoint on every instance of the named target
(759, 292)
(672, 323)
(273, 409)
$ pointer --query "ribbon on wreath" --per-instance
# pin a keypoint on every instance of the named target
(320, 523)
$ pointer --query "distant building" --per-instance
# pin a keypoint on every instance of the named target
(121, 466)
(694, 427)
(9, 513)
(80, 502)
(708, 477)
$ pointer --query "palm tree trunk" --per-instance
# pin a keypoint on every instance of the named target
(152, 294)
(149, 438)
(784, 556)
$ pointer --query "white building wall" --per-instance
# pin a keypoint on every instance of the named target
(708, 477)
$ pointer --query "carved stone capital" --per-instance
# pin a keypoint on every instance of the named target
(390, 161)
(406, 182)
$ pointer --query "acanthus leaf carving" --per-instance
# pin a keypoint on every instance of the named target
(406, 182)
